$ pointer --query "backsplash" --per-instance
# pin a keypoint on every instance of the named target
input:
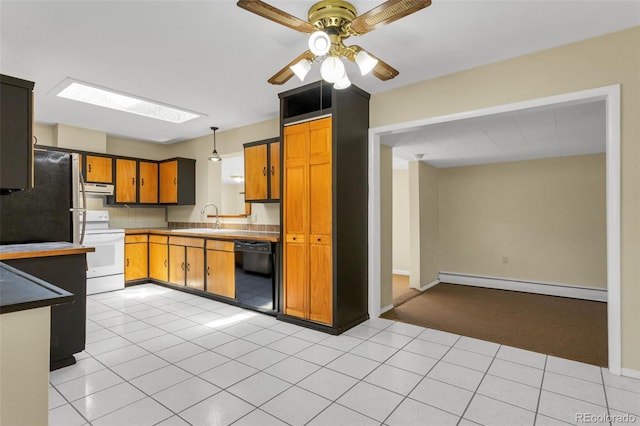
(130, 217)
(223, 225)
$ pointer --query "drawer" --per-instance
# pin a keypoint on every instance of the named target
(220, 245)
(186, 241)
(158, 239)
(294, 238)
(140, 238)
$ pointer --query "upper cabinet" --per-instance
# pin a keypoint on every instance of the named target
(262, 171)
(178, 181)
(126, 178)
(136, 182)
(98, 168)
(16, 133)
(148, 182)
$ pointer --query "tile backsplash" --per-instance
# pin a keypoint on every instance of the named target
(130, 217)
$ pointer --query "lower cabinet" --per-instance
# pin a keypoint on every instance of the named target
(221, 278)
(136, 259)
(159, 257)
(186, 262)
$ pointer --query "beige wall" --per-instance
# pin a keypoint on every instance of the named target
(423, 218)
(386, 216)
(401, 246)
(601, 61)
(548, 217)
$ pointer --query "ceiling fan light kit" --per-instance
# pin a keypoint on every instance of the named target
(329, 23)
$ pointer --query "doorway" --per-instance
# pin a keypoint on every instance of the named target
(611, 96)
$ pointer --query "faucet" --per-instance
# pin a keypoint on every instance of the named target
(217, 215)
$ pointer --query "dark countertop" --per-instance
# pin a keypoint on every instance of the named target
(23, 251)
(219, 234)
(20, 291)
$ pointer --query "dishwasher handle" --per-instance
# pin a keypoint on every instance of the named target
(253, 246)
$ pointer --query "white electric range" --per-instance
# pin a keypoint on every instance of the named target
(105, 266)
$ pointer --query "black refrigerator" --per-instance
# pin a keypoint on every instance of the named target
(49, 213)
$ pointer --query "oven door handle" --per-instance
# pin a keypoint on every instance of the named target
(103, 238)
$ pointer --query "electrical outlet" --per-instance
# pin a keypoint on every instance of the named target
(505, 259)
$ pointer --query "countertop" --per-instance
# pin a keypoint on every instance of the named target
(30, 250)
(20, 291)
(219, 234)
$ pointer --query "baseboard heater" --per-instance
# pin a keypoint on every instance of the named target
(550, 289)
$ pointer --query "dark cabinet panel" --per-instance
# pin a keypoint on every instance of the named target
(16, 133)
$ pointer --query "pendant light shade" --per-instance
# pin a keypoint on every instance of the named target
(365, 62)
(214, 155)
(319, 43)
(332, 69)
(301, 69)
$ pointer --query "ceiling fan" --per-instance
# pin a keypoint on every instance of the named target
(330, 22)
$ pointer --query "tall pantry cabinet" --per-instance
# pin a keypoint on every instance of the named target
(324, 206)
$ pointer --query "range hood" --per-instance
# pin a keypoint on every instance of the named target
(98, 188)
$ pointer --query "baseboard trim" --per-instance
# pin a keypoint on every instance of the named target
(431, 284)
(630, 373)
(401, 272)
(550, 289)
(386, 309)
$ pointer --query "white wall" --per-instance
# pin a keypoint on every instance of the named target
(401, 228)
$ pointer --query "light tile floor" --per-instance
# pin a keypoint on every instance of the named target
(157, 356)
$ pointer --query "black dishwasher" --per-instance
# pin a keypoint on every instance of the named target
(255, 275)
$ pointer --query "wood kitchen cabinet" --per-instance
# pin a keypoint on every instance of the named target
(148, 182)
(16, 133)
(221, 268)
(136, 258)
(325, 268)
(126, 190)
(159, 257)
(178, 181)
(98, 169)
(262, 171)
(186, 262)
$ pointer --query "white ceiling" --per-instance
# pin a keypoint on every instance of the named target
(213, 57)
(552, 131)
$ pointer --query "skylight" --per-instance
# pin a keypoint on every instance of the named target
(83, 92)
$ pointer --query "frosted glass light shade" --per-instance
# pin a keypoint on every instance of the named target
(319, 43)
(343, 83)
(332, 69)
(365, 62)
(301, 69)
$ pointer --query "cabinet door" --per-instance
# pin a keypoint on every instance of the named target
(136, 261)
(99, 169)
(126, 188)
(320, 282)
(148, 182)
(159, 261)
(16, 141)
(221, 277)
(195, 268)
(255, 172)
(169, 182)
(274, 168)
(177, 265)
(295, 218)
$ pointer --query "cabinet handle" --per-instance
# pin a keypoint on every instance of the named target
(208, 271)
(319, 240)
(127, 261)
(273, 170)
(182, 266)
(142, 182)
(264, 171)
(89, 168)
(133, 181)
(188, 267)
(165, 263)
(294, 238)
(175, 181)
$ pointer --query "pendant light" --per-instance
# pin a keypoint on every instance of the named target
(214, 155)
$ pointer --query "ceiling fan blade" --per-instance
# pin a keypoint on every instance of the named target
(286, 73)
(276, 15)
(386, 13)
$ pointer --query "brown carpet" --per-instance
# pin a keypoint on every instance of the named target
(401, 290)
(567, 328)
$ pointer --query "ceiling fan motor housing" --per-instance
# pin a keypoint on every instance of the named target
(332, 14)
